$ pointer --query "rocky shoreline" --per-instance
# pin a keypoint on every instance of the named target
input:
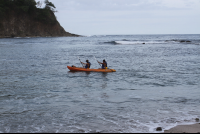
(19, 36)
(195, 128)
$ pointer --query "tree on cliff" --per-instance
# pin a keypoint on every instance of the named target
(50, 6)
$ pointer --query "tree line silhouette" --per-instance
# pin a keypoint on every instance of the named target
(30, 7)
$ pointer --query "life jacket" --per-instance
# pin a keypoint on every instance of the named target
(88, 65)
(104, 65)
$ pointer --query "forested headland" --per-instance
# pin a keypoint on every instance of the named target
(26, 18)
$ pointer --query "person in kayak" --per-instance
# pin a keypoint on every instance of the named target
(104, 64)
(87, 64)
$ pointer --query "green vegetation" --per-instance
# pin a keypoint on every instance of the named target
(29, 7)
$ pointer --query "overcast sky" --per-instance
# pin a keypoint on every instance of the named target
(115, 17)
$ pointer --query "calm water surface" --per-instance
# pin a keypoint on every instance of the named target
(157, 84)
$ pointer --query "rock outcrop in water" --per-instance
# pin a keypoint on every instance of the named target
(16, 21)
(181, 41)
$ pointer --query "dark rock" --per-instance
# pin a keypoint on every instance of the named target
(158, 129)
(12, 35)
(197, 119)
(143, 43)
(184, 41)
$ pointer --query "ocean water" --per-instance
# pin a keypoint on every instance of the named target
(156, 84)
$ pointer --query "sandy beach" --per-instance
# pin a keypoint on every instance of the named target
(195, 128)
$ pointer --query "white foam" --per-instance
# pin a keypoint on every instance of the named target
(96, 35)
(138, 42)
(7, 129)
(128, 42)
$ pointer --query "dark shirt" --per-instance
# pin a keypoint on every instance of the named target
(88, 65)
(104, 65)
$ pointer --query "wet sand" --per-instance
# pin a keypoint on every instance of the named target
(195, 128)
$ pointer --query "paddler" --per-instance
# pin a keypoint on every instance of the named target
(104, 64)
(87, 64)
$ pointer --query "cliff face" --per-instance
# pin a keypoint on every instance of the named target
(24, 25)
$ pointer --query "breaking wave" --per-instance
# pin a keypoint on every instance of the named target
(127, 42)
(135, 42)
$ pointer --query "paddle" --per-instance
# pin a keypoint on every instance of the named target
(80, 61)
(97, 61)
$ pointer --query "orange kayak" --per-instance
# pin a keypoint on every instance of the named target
(89, 70)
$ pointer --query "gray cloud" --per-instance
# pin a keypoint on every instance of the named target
(119, 5)
(88, 17)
